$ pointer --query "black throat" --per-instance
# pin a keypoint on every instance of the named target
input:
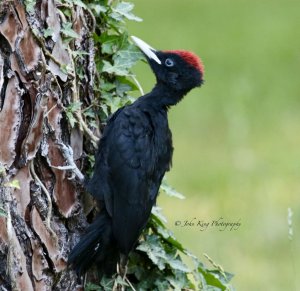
(162, 96)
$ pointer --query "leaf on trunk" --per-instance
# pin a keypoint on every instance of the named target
(123, 9)
(67, 30)
(50, 15)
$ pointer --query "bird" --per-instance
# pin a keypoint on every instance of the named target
(134, 153)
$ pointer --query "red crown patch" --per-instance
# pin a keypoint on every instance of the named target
(190, 58)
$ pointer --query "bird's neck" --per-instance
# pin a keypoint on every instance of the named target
(162, 96)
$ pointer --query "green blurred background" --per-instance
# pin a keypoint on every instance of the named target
(237, 139)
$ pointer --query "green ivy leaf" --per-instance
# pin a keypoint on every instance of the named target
(224, 277)
(124, 80)
(104, 109)
(74, 106)
(76, 2)
(114, 103)
(124, 9)
(92, 287)
(120, 70)
(122, 89)
(156, 211)
(124, 59)
(65, 68)
(79, 3)
(48, 32)
(180, 281)
(154, 250)
(71, 118)
(89, 113)
(66, 11)
(166, 234)
(79, 53)
(107, 87)
(30, 5)
(213, 280)
(170, 191)
(161, 285)
(128, 56)
(110, 43)
(98, 8)
(177, 264)
(67, 30)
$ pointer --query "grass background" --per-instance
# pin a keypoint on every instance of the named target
(237, 139)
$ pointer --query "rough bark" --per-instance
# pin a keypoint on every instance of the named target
(43, 219)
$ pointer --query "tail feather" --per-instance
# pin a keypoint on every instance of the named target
(96, 246)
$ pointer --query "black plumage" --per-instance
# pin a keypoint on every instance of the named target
(134, 153)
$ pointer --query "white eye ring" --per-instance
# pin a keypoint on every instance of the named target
(169, 62)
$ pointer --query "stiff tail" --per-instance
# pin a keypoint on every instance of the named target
(96, 246)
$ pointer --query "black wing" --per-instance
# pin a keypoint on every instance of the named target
(128, 174)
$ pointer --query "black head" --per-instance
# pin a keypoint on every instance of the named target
(180, 70)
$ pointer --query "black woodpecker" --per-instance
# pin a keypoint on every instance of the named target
(134, 153)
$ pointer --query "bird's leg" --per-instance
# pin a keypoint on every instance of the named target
(123, 266)
(122, 270)
(67, 152)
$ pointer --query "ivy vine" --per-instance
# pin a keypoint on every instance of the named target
(157, 262)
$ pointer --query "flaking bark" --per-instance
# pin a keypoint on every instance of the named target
(43, 219)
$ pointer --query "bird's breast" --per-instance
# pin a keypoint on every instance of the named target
(163, 145)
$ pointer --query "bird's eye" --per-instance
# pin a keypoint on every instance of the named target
(169, 62)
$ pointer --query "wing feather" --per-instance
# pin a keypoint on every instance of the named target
(126, 177)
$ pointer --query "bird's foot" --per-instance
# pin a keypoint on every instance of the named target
(67, 153)
(122, 266)
(122, 271)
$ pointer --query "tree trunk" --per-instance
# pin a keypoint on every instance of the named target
(42, 218)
